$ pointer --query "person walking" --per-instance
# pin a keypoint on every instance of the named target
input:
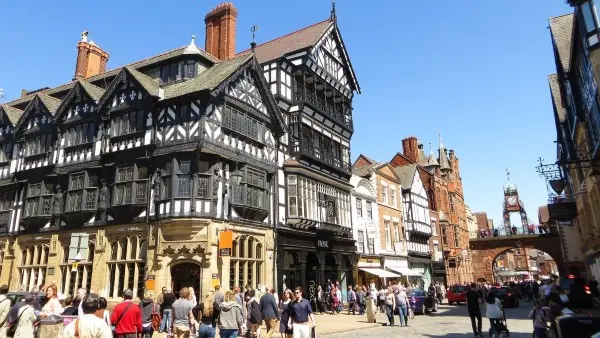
(89, 325)
(300, 312)
(167, 310)
(402, 304)
(231, 318)
(183, 318)
(25, 319)
(321, 299)
(540, 317)
(254, 314)
(473, 301)
(390, 305)
(147, 308)
(438, 293)
(126, 318)
(4, 309)
(284, 310)
(351, 300)
(270, 313)
(360, 299)
(207, 313)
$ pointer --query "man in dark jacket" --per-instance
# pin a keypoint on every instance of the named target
(270, 313)
(167, 310)
(474, 311)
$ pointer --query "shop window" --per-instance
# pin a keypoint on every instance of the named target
(127, 272)
(73, 279)
(246, 263)
(32, 273)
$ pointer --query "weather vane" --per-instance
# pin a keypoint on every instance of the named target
(507, 174)
(253, 30)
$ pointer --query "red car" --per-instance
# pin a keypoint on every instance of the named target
(457, 294)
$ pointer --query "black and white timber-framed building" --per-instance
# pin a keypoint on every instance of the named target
(310, 74)
(137, 172)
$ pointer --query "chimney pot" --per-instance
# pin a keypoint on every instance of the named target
(220, 31)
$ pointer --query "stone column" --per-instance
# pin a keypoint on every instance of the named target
(7, 264)
(100, 270)
(52, 271)
(14, 272)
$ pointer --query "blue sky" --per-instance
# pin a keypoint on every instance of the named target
(476, 71)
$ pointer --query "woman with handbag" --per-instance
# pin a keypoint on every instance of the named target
(26, 318)
(148, 307)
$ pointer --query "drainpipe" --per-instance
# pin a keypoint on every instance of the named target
(275, 215)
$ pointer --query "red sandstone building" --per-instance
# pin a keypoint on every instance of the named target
(441, 176)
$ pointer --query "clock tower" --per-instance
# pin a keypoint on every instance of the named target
(512, 203)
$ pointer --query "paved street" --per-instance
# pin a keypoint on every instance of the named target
(449, 322)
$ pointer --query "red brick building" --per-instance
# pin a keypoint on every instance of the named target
(441, 176)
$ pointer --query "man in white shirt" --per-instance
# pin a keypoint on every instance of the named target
(88, 324)
(81, 295)
(4, 309)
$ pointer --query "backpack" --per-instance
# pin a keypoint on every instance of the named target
(156, 319)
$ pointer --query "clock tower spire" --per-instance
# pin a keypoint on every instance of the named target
(512, 203)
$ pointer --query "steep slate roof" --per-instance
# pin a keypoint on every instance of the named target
(363, 171)
(406, 174)
(51, 103)
(150, 85)
(431, 161)
(561, 112)
(209, 79)
(443, 160)
(12, 113)
(298, 40)
(561, 28)
(94, 92)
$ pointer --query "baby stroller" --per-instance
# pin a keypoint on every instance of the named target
(499, 328)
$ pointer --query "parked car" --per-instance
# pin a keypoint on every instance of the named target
(457, 294)
(507, 296)
(15, 297)
(422, 302)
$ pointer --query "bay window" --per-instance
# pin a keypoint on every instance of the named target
(243, 124)
(317, 201)
(82, 192)
(130, 185)
(128, 123)
(252, 191)
(38, 201)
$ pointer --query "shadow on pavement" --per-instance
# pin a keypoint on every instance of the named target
(461, 335)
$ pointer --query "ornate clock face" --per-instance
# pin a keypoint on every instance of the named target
(511, 200)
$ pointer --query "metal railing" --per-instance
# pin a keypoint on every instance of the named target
(515, 231)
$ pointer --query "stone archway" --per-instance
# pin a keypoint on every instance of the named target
(485, 250)
(186, 273)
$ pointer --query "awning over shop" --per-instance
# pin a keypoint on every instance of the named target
(406, 271)
(379, 272)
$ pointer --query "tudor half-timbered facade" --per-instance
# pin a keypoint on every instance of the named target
(159, 173)
(417, 223)
(310, 74)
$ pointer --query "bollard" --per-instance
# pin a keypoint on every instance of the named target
(51, 326)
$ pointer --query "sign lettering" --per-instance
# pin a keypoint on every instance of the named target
(323, 244)
(312, 291)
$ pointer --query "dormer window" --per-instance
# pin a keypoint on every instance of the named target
(178, 71)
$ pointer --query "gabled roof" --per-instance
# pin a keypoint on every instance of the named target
(50, 104)
(363, 171)
(147, 83)
(95, 93)
(13, 114)
(561, 28)
(406, 174)
(287, 44)
(560, 111)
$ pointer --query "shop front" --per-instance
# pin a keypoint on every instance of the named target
(423, 267)
(308, 259)
(371, 273)
(400, 266)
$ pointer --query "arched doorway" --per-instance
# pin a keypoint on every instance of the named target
(331, 268)
(523, 264)
(186, 274)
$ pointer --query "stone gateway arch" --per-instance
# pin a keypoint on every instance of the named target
(485, 250)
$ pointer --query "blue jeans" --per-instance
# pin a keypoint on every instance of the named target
(167, 318)
(389, 309)
(403, 314)
(228, 333)
(206, 331)
(539, 332)
(361, 309)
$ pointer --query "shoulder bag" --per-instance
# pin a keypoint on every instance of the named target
(12, 327)
(120, 317)
(156, 319)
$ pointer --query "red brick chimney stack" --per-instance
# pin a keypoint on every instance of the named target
(220, 31)
(410, 148)
(91, 59)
